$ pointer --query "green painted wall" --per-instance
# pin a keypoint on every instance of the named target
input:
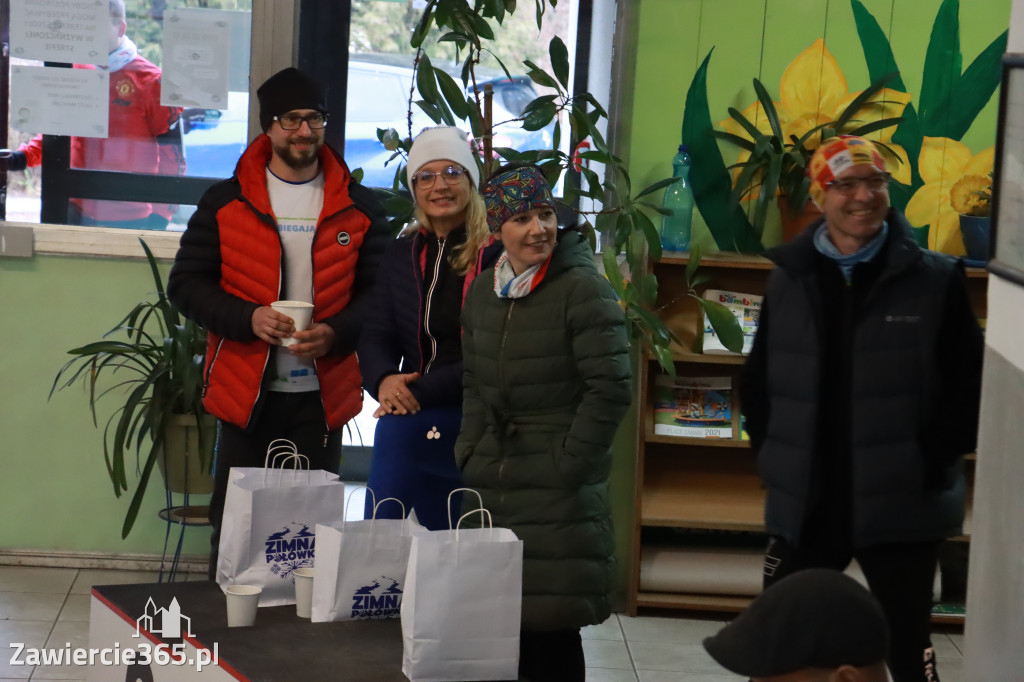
(759, 38)
(54, 490)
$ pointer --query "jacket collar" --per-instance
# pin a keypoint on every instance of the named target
(899, 251)
(252, 168)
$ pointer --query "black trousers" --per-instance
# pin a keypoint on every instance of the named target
(551, 656)
(901, 578)
(299, 417)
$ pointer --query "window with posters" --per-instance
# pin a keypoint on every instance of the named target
(110, 99)
(176, 106)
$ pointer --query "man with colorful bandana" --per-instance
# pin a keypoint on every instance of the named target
(145, 137)
(861, 395)
(291, 224)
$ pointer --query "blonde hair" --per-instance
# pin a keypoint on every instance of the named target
(463, 259)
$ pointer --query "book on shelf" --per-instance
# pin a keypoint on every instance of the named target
(746, 308)
(949, 609)
(693, 407)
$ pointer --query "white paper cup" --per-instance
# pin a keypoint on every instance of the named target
(242, 602)
(300, 312)
(303, 592)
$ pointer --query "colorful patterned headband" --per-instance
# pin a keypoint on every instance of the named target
(835, 156)
(515, 191)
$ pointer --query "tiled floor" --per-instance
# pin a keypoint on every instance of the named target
(48, 607)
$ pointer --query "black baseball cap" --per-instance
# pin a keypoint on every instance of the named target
(816, 618)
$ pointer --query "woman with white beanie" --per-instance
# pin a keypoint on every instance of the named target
(410, 351)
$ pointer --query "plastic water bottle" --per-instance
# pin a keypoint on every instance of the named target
(675, 228)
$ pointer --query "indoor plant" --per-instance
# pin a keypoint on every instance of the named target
(152, 360)
(773, 165)
(625, 216)
(971, 196)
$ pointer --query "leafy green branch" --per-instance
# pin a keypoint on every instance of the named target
(624, 217)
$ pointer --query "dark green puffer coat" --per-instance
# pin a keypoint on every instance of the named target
(547, 381)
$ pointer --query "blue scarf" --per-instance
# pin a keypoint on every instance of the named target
(846, 262)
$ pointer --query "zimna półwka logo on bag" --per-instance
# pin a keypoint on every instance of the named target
(376, 601)
(289, 549)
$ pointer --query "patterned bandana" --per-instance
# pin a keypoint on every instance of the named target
(834, 157)
(515, 191)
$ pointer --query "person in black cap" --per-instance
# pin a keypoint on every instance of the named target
(291, 224)
(815, 625)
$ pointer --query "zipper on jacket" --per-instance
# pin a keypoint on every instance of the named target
(429, 302)
(501, 384)
(209, 371)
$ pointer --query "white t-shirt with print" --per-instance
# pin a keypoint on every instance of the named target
(297, 207)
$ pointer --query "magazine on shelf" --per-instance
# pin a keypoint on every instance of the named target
(746, 308)
(693, 407)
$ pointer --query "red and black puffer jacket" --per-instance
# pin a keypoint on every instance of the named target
(230, 263)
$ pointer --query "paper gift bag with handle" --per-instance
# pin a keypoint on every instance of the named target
(269, 520)
(360, 568)
(462, 604)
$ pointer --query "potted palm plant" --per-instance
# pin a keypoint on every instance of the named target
(152, 361)
(773, 165)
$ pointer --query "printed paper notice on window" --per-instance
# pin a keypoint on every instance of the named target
(66, 31)
(197, 54)
(746, 308)
(56, 101)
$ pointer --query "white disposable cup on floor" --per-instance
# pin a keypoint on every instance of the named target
(300, 312)
(303, 592)
(242, 602)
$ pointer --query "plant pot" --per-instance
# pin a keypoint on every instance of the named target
(792, 225)
(975, 232)
(181, 460)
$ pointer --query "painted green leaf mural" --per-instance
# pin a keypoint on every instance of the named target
(712, 186)
(946, 107)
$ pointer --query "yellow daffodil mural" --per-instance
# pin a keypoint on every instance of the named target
(952, 176)
(935, 175)
(814, 93)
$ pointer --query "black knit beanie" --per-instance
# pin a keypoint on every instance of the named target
(287, 90)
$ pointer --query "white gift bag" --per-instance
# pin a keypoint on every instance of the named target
(462, 605)
(269, 521)
(360, 568)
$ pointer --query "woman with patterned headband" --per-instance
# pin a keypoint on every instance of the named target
(410, 353)
(547, 380)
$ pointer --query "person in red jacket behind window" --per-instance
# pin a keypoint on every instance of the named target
(144, 137)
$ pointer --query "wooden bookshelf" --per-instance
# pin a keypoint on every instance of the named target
(703, 497)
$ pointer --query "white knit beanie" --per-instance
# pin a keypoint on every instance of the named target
(444, 142)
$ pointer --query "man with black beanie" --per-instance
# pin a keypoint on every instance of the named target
(291, 224)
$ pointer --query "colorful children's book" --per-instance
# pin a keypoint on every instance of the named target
(746, 308)
(693, 407)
